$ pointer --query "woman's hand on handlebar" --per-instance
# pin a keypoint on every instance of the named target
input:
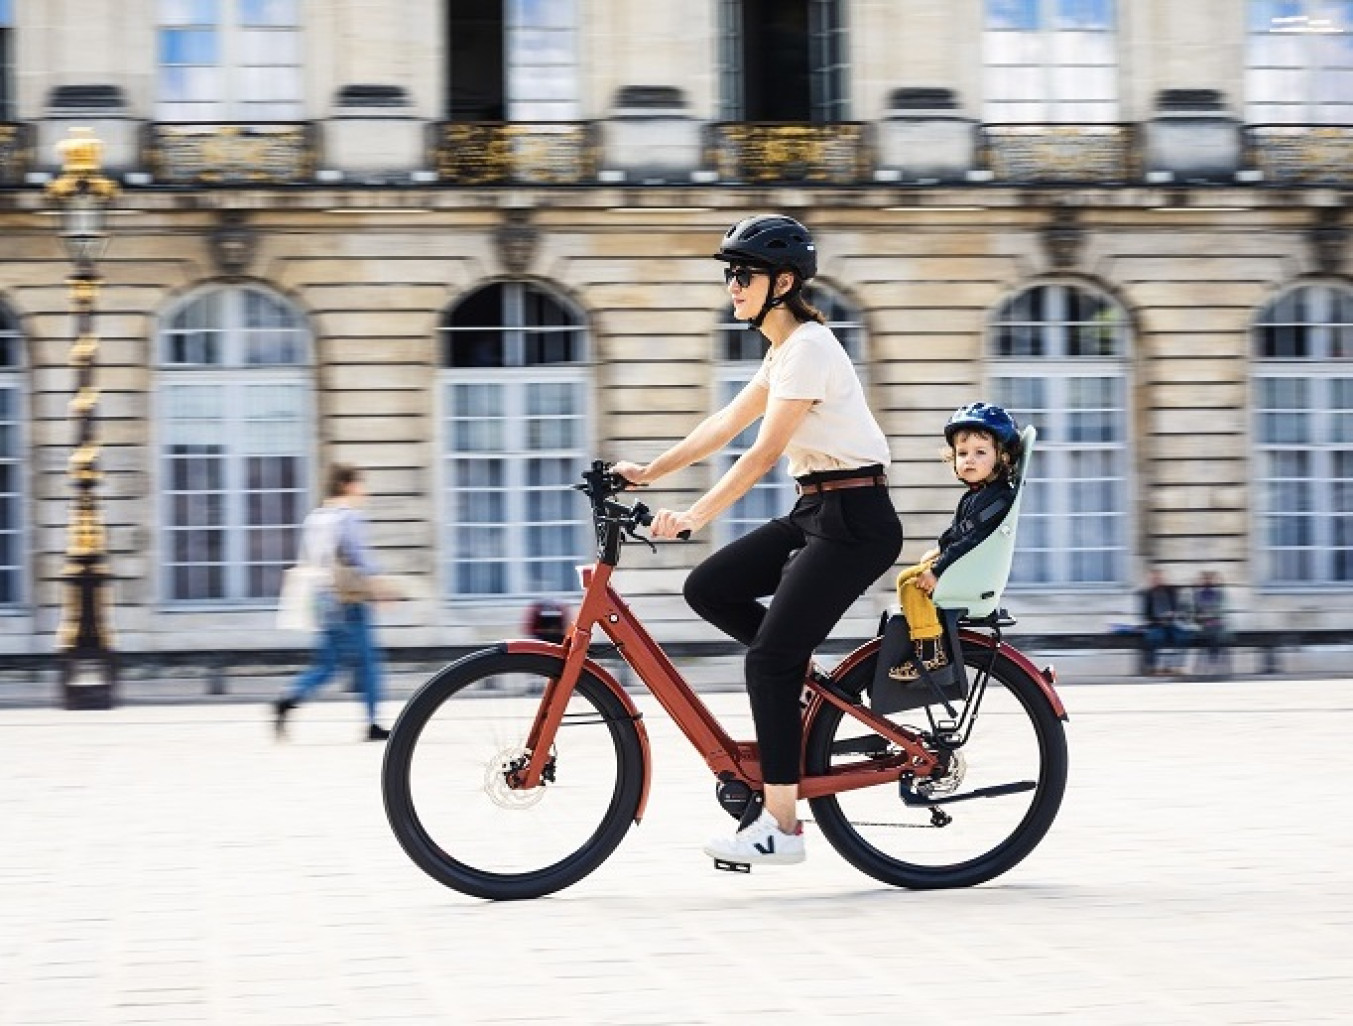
(631, 472)
(671, 524)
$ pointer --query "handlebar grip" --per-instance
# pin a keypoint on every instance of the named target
(643, 516)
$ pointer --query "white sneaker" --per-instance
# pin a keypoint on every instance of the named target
(761, 843)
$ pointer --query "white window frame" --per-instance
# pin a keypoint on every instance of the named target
(239, 384)
(1318, 433)
(513, 457)
(1036, 61)
(828, 59)
(12, 383)
(1050, 515)
(774, 494)
(233, 87)
(7, 60)
(1299, 62)
(541, 61)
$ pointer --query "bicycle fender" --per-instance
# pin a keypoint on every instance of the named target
(548, 648)
(1024, 663)
(973, 640)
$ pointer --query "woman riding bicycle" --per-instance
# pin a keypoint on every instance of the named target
(842, 533)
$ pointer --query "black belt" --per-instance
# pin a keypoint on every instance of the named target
(835, 484)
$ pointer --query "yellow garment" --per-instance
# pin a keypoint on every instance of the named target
(922, 620)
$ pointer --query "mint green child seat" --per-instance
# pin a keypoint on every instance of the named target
(975, 582)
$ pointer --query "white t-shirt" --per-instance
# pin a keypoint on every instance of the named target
(839, 432)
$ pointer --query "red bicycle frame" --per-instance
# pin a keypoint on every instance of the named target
(602, 606)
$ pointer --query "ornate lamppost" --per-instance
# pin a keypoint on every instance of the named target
(84, 640)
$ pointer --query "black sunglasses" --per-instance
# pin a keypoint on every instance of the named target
(742, 275)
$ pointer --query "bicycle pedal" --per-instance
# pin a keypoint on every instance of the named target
(732, 867)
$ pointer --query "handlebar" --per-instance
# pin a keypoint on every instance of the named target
(600, 484)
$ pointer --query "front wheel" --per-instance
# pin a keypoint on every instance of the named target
(446, 778)
(1016, 757)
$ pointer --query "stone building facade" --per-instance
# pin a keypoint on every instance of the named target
(465, 245)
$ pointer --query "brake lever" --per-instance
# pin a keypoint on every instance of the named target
(641, 516)
(631, 532)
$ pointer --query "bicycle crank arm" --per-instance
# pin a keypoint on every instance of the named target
(915, 800)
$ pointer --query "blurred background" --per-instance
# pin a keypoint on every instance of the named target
(465, 245)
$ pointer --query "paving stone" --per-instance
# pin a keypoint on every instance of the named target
(175, 863)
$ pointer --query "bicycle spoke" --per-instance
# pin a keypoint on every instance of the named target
(978, 819)
(453, 768)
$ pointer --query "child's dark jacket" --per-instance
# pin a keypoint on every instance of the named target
(978, 515)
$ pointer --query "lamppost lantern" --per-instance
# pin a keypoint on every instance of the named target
(83, 218)
(84, 638)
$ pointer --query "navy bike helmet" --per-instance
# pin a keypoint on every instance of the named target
(771, 242)
(984, 417)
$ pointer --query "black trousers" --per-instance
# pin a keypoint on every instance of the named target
(812, 564)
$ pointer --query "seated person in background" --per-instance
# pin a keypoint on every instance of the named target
(1209, 616)
(983, 449)
(1163, 618)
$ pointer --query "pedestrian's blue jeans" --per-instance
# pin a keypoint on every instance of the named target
(346, 638)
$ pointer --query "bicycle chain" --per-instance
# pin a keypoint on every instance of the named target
(898, 826)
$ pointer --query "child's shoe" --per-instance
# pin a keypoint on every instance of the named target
(928, 651)
(905, 672)
(933, 654)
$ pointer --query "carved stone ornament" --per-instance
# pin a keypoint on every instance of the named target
(233, 243)
(1063, 237)
(517, 239)
(1328, 239)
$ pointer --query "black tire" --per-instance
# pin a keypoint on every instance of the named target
(445, 794)
(1017, 737)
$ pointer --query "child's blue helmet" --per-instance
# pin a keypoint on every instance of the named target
(984, 417)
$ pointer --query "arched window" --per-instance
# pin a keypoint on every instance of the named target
(741, 349)
(12, 450)
(1058, 359)
(235, 433)
(1303, 408)
(514, 440)
(1050, 60)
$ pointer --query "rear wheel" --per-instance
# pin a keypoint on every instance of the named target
(446, 778)
(1016, 754)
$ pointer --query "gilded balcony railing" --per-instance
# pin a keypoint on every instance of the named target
(836, 154)
(522, 153)
(1061, 154)
(276, 153)
(14, 155)
(1302, 154)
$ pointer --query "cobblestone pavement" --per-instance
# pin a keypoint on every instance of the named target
(175, 864)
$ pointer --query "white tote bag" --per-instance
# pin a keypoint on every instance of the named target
(298, 603)
(299, 598)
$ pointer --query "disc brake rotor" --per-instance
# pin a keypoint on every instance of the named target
(500, 792)
(947, 783)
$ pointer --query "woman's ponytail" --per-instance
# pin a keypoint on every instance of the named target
(801, 308)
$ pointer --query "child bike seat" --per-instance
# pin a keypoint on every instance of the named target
(975, 581)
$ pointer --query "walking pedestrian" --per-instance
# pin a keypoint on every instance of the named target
(333, 539)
